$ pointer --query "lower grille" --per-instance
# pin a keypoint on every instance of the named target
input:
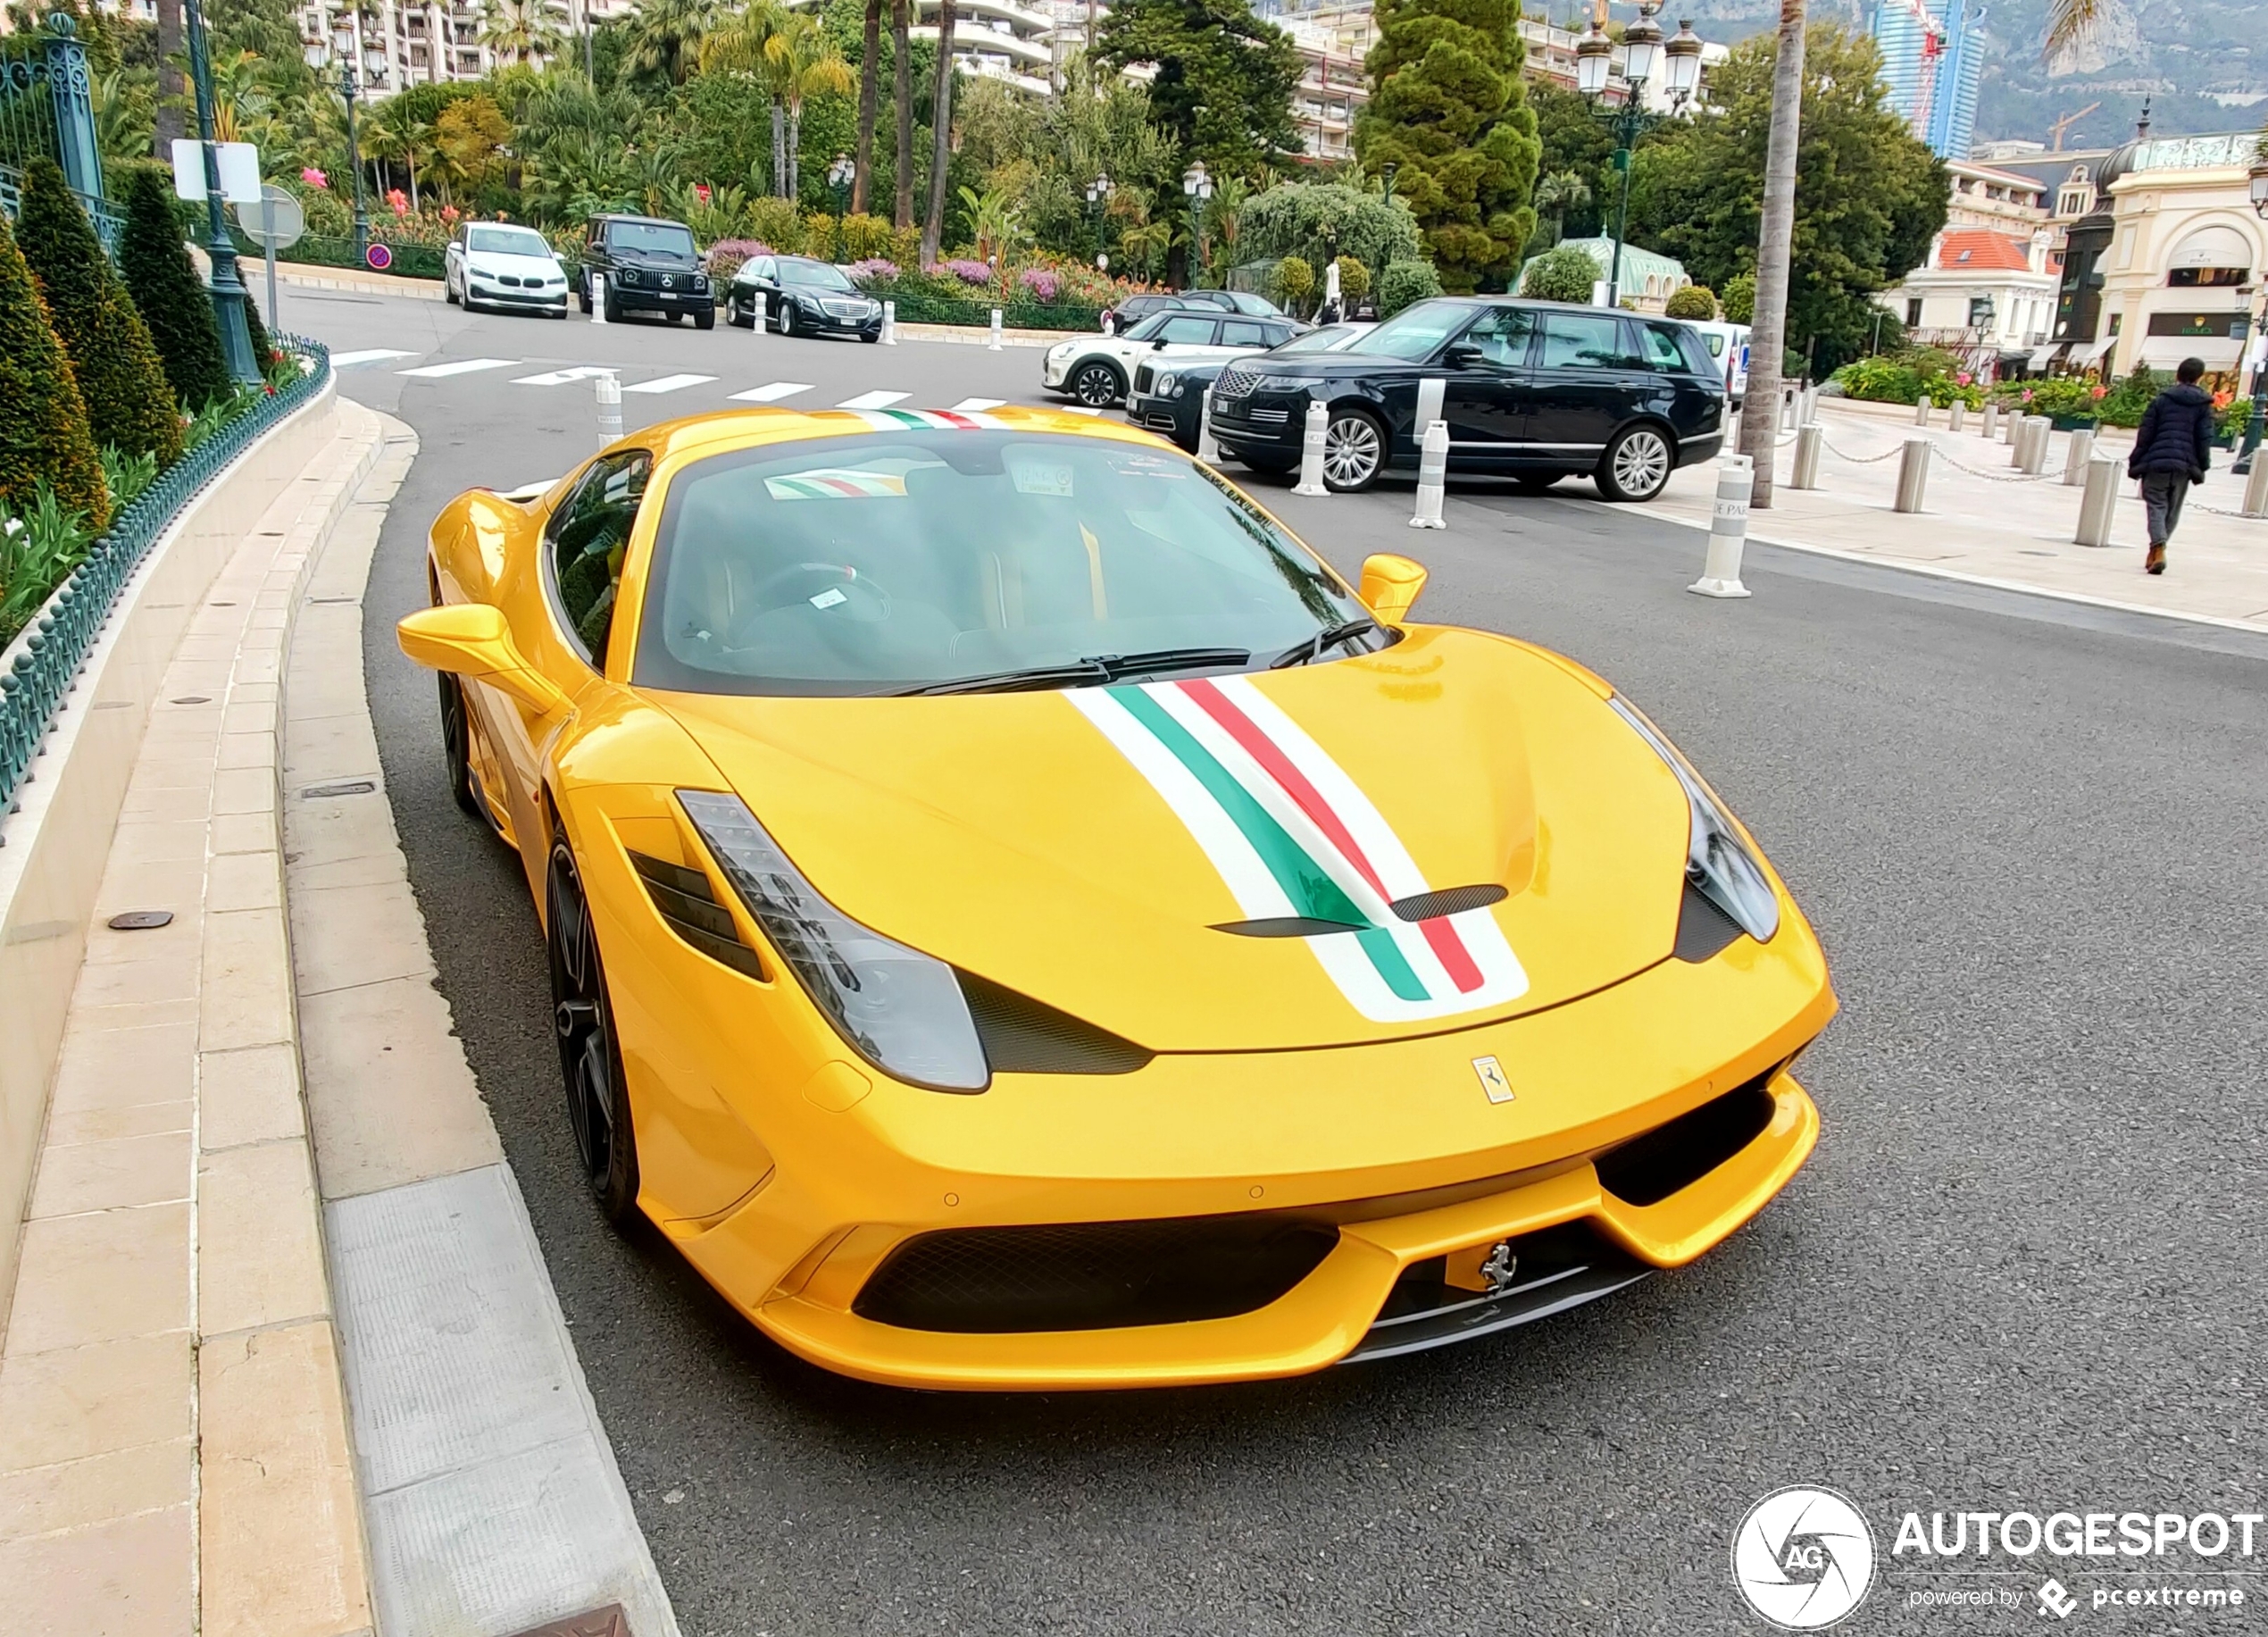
(1270, 417)
(1647, 1170)
(1099, 1275)
(1545, 1273)
(1159, 422)
(1143, 376)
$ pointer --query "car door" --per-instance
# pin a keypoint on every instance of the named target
(1680, 376)
(1488, 386)
(1583, 384)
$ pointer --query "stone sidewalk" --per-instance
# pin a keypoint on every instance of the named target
(1982, 522)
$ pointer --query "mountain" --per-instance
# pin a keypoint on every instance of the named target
(2189, 57)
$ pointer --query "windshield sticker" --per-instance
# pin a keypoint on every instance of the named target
(835, 483)
(1292, 835)
(1148, 466)
(1033, 478)
(827, 598)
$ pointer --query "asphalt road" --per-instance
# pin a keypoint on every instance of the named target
(2020, 1271)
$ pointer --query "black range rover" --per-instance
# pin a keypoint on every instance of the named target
(1532, 390)
(651, 266)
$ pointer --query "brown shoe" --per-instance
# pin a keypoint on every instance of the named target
(2155, 563)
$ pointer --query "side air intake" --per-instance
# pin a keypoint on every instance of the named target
(685, 900)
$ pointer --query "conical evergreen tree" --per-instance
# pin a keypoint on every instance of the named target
(43, 435)
(130, 404)
(173, 300)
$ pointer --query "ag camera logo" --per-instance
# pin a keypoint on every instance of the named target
(1803, 1557)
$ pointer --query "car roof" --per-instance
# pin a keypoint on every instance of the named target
(651, 221)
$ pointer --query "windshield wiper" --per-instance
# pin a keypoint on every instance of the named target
(1096, 668)
(1323, 642)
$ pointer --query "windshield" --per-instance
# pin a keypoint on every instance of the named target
(506, 241)
(818, 273)
(1259, 306)
(889, 564)
(1414, 335)
(1331, 339)
(1148, 329)
(651, 237)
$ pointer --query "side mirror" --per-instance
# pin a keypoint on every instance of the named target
(1158, 345)
(1462, 355)
(472, 640)
(1390, 584)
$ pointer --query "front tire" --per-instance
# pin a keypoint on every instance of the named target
(613, 306)
(1097, 384)
(706, 321)
(582, 293)
(1354, 451)
(449, 292)
(738, 316)
(1637, 464)
(590, 1057)
(456, 746)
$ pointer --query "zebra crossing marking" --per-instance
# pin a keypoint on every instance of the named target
(376, 355)
(462, 366)
(771, 392)
(670, 383)
(559, 378)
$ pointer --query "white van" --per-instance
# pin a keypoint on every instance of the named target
(1728, 343)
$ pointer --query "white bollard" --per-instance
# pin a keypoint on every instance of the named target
(1912, 473)
(2098, 501)
(1728, 529)
(1433, 471)
(1788, 409)
(2075, 458)
(598, 298)
(2033, 452)
(1922, 410)
(1208, 446)
(2008, 428)
(610, 408)
(2257, 488)
(1808, 437)
(1956, 415)
(1310, 453)
(889, 324)
(994, 345)
(764, 312)
(1991, 424)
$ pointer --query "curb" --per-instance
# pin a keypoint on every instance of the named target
(417, 289)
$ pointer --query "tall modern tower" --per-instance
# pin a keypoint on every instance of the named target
(1932, 64)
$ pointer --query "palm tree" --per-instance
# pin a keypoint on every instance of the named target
(869, 86)
(2069, 21)
(666, 37)
(1559, 193)
(902, 53)
(517, 30)
(995, 219)
(792, 56)
(941, 136)
(743, 46)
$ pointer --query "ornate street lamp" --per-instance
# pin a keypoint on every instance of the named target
(839, 178)
(342, 48)
(2257, 180)
(1098, 198)
(1198, 185)
(228, 288)
(1645, 55)
(1386, 175)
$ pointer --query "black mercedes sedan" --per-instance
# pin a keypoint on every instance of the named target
(802, 297)
(1531, 390)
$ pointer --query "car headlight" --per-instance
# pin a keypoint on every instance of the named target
(1281, 383)
(700, 282)
(1717, 861)
(1165, 384)
(901, 1010)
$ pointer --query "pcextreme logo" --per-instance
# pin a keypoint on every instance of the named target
(1803, 1557)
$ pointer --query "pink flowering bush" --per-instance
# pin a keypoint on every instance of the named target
(1041, 283)
(399, 200)
(726, 254)
(969, 272)
(873, 268)
(314, 177)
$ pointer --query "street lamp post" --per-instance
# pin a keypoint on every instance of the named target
(228, 288)
(342, 48)
(839, 178)
(1386, 175)
(1644, 53)
(1198, 185)
(1098, 198)
(2259, 179)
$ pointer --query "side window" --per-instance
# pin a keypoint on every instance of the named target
(1244, 332)
(587, 535)
(1190, 330)
(1581, 341)
(1501, 334)
(1277, 334)
(1661, 349)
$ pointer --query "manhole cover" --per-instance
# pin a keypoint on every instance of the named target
(195, 698)
(607, 1621)
(345, 787)
(141, 920)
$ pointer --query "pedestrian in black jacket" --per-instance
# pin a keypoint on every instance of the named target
(2173, 448)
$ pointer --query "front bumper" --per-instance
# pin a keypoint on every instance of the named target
(1172, 417)
(1270, 425)
(647, 299)
(1051, 372)
(823, 323)
(503, 295)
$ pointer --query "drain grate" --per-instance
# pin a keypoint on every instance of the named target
(345, 787)
(607, 1621)
(141, 920)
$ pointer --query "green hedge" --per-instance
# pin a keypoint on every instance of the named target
(916, 306)
(319, 250)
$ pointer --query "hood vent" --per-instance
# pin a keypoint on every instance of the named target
(685, 900)
(1023, 1036)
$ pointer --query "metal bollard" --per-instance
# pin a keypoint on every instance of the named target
(1808, 436)
(1728, 529)
(1310, 453)
(1808, 410)
(1208, 446)
(1991, 421)
(598, 298)
(994, 345)
(1922, 410)
(1788, 409)
(610, 408)
(2098, 501)
(2016, 418)
(764, 314)
(1956, 415)
(2257, 490)
(1433, 471)
(1912, 473)
(2075, 458)
(2032, 455)
(2019, 440)
(889, 324)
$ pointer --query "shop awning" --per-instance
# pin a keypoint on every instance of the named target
(2040, 355)
(2088, 352)
(2165, 352)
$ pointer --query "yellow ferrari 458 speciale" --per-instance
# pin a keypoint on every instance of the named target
(1018, 919)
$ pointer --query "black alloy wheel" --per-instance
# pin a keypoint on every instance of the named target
(1097, 384)
(456, 745)
(590, 1060)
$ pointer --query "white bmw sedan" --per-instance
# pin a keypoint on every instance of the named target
(494, 264)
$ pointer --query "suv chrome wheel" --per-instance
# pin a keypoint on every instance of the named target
(1637, 466)
(1354, 452)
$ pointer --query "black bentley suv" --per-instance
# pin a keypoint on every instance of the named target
(1531, 390)
(650, 266)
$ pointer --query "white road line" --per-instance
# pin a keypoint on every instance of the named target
(376, 355)
(976, 406)
(463, 366)
(874, 400)
(668, 383)
(558, 378)
(1075, 409)
(771, 392)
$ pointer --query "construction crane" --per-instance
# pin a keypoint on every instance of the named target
(1925, 79)
(2056, 128)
